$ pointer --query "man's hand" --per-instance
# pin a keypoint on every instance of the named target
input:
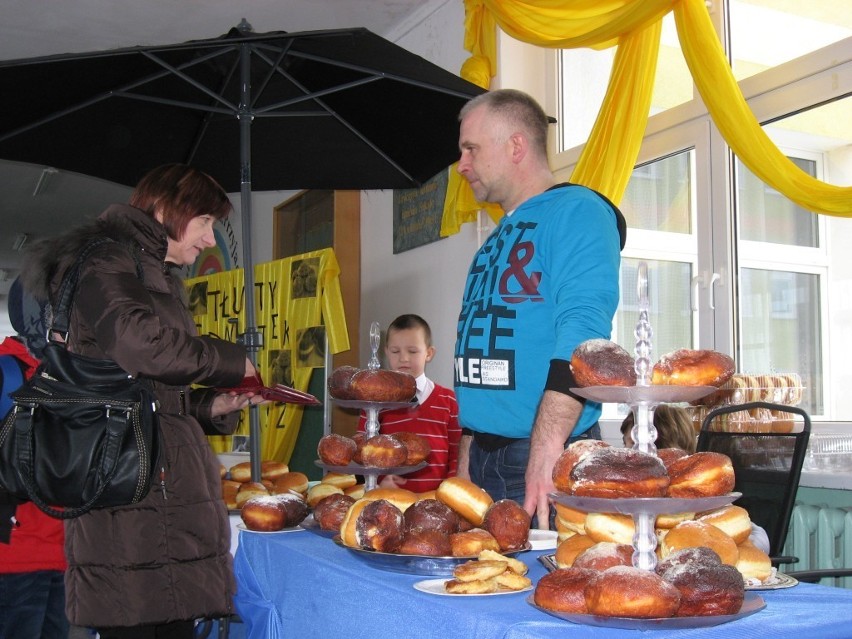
(557, 415)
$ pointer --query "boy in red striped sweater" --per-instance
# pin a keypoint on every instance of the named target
(408, 348)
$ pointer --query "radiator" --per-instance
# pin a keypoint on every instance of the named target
(821, 537)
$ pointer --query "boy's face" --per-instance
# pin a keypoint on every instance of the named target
(406, 351)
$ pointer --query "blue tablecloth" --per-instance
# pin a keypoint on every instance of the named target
(301, 585)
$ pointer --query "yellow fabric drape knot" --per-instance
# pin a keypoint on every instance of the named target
(610, 153)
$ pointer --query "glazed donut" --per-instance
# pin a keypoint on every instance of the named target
(417, 447)
(359, 438)
(692, 555)
(380, 526)
(348, 527)
(625, 591)
(341, 480)
(330, 511)
(339, 382)
(753, 564)
(472, 542)
(570, 519)
(320, 491)
(685, 367)
(466, 498)
(573, 454)
(610, 527)
(295, 508)
(690, 534)
(426, 541)
(669, 455)
(668, 521)
(229, 493)
(240, 472)
(335, 449)
(509, 523)
(733, 520)
(399, 497)
(613, 472)
(383, 451)
(563, 590)
(706, 589)
(264, 514)
(431, 514)
(603, 555)
(600, 362)
(703, 474)
(356, 491)
(568, 550)
(272, 470)
(295, 481)
(248, 490)
(382, 385)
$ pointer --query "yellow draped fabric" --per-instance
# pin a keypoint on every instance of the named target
(610, 153)
(299, 309)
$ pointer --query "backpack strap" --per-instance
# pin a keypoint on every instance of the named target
(61, 311)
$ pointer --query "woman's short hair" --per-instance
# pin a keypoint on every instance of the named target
(180, 192)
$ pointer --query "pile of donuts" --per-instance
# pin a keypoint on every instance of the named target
(364, 384)
(458, 519)
(379, 451)
(488, 573)
(601, 362)
(593, 468)
(692, 582)
(275, 478)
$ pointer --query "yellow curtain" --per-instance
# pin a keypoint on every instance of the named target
(610, 153)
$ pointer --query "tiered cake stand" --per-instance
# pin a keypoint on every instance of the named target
(372, 409)
(643, 400)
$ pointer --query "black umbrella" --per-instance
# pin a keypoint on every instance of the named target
(336, 109)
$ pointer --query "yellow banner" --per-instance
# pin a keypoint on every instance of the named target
(299, 313)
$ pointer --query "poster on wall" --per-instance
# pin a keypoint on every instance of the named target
(417, 213)
(299, 313)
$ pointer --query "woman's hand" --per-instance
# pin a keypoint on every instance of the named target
(226, 403)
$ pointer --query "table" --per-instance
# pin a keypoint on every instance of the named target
(301, 585)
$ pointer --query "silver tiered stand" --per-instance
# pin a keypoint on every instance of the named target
(371, 428)
(643, 400)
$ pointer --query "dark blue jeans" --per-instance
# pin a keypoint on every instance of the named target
(32, 605)
(502, 472)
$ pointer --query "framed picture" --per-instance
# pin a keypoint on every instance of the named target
(417, 213)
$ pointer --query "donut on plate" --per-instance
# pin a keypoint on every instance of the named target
(417, 447)
(383, 451)
(690, 534)
(603, 555)
(569, 549)
(574, 453)
(426, 541)
(626, 591)
(509, 523)
(431, 514)
(330, 511)
(601, 362)
(563, 590)
(264, 514)
(466, 498)
(472, 542)
(380, 526)
(335, 449)
(685, 367)
(706, 589)
(613, 472)
(702, 474)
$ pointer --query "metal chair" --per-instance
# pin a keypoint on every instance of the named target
(767, 465)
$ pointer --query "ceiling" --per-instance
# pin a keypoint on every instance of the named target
(32, 29)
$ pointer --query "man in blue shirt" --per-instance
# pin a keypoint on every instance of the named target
(543, 282)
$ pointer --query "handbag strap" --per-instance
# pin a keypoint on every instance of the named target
(12, 380)
(116, 429)
(61, 311)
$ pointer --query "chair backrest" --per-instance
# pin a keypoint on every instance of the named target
(767, 465)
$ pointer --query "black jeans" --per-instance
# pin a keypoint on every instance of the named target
(173, 630)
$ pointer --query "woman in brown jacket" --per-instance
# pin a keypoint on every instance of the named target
(151, 568)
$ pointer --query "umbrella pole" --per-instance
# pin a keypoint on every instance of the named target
(252, 339)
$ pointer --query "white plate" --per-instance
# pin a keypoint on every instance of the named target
(543, 539)
(436, 587)
(244, 528)
(778, 582)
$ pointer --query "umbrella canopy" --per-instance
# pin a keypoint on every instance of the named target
(337, 109)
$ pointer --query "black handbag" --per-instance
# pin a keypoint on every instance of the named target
(82, 433)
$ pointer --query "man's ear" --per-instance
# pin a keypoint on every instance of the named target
(519, 146)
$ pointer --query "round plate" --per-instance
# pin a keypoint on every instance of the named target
(778, 582)
(412, 564)
(636, 505)
(244, 528)
(752, 604)
(364, 405)
(358, 469)
(436, 587)
(653, 394)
